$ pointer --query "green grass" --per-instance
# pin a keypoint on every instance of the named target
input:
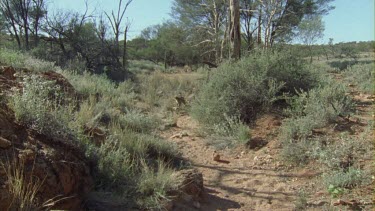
(22, 188)
(23, 60)
(133, 163)
(40, 106)
(346, 179)
(362, 75)
(143, 66)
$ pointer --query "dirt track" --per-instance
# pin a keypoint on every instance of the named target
(254, 180)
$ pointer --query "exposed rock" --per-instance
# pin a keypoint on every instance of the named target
(58, 163)
(65, 172)
(4, 143)
(8, 72)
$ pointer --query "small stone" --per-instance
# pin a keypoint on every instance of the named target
(4, 143)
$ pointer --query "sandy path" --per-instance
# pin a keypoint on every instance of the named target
(242, 180)
(254, 180)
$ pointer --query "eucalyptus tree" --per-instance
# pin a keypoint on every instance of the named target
(280, 18)
(207, 20)
(23, 17)
(310, 30)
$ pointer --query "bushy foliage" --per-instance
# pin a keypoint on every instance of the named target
(362, 75)
(136, 121)
(159, 90)
(249, 86)
(90, 84)
(345, 179)
(22, 60)
(314, 109)
(126, 166)
(39, 105)
(153, 186)
(308, 111)
(143, 66)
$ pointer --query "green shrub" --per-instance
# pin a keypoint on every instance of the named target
(315, 109)
(250, 86)
(134, 166)
(153, 186)
(311, 110)
(22, 60)
(143, 66)
(137, 122)
(301, 202)
(39, 106)
(233, 128)
(345, 179)
(346, 149)
(298, 152)
(363, 76)
(335, 191)
(116, 169)
(90, 84)
(159, 90)
(13, 58)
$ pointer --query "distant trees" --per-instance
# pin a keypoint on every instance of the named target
(22, 18)
(69, 35)
(263, 22)
(201, 31)
(310, 30)
(168, 43)
(207, 20)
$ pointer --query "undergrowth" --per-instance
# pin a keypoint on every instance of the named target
(244, 89)
(133, 162)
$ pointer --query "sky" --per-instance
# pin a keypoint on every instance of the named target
(351, 20)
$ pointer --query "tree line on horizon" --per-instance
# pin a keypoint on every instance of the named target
(198, 31)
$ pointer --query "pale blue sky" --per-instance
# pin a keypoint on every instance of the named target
(352, 20)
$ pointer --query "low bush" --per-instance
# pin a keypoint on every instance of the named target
(362, 75)
(250, 86)
(135, 167)
(22, 60)
(136, 121)
(233, 130)
(143, 66)
(299, 152)
(159, 90)
(154, 186)
(345, 179)
(90, 84)
(39, 106)
(315, 109)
